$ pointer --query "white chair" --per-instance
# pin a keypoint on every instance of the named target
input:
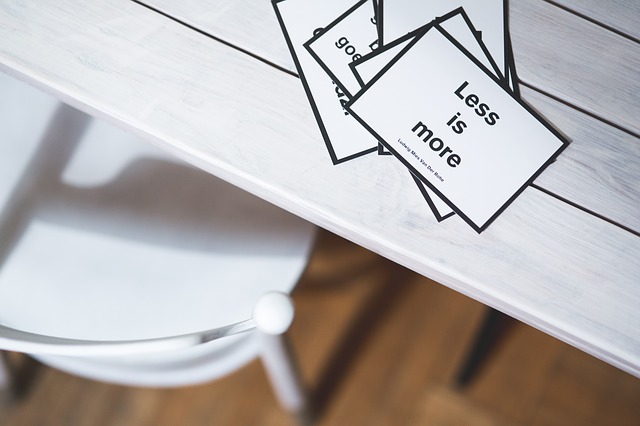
(122, 264)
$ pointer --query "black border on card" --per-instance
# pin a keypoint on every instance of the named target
(508, 54)
(313, 39)
(381, 148)
(478, 228)
(506, 44)
(513, 74)
(334, 159)
(380, 21)
(429, 201)
(377, 16)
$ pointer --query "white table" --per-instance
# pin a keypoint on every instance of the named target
(564, 257)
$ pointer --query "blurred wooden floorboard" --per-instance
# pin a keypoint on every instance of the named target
(378, 345)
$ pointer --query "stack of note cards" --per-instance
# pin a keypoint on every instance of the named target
(431, 83)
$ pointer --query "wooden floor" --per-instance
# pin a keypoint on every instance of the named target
(378, 345)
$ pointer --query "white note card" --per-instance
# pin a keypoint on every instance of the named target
(454, 125)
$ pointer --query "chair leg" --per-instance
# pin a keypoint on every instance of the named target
(5, 374)
(493, 328)
(7, 382)
(274, 314)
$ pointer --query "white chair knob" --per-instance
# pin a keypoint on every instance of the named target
(274, 313)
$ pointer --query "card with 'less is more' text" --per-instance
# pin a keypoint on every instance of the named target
(432, 85)
(453, 124)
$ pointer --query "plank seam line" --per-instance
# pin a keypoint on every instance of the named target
(211, 36)
(584, 209)
(593, 21)
(582, 110)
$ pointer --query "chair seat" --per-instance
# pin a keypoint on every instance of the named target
(124, 242)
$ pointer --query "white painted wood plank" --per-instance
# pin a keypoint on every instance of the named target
(621, 15)
(600, 171)
(248, 24)
(553, 266)
(577, 61)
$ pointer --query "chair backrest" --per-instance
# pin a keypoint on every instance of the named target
(31, 343)
(110, 246)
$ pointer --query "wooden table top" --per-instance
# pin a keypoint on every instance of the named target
(214, 83)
